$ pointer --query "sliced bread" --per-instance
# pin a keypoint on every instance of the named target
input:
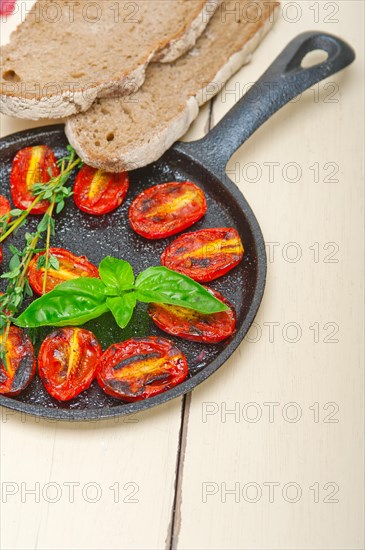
(66, 54)
(118, 134)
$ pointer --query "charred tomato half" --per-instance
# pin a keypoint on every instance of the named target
(20, 362)
(67, 361)
(70, 267)
(141, 367)
(31, 165)
(167, 209)
(192, 325)
(206, 254)
(98, 192)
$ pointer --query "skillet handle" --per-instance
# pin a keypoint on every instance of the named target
(283, 80)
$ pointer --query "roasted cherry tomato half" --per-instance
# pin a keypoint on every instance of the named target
(166, 209)
(204, 255)
(70, 267)
(67, 362)
(20, 362)
(98, 192)
(4, 206)
(192, 325)
(141, 367)
(4, 209)
(31, 165)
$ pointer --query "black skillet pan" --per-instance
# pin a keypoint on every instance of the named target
(203, 162)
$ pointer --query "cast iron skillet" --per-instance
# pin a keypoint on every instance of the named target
(203, 162)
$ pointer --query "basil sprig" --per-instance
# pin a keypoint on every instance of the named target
(79, 300)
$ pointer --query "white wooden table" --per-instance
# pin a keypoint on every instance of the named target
(267, 454)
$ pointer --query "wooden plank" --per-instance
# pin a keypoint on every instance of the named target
(298, 406)
(92, 483)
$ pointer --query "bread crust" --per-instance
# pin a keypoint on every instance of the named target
(78, 99)
(147, 152)
(178, 46)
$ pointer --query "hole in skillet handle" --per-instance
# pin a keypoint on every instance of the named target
(307, 45)
(313, 58)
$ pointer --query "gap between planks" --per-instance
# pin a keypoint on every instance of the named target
(175, 522)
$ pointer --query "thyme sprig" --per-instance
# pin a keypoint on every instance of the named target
(18, 288)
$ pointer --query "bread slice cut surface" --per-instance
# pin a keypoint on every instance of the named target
(67, 53)
(126, 133)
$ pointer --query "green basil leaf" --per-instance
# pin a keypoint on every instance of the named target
(116, 274)
(73, 303)
(162, 285)
(122, 308)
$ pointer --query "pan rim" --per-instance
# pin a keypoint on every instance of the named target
(94, 414)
